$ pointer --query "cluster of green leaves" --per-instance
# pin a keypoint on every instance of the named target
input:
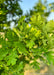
(25, 44)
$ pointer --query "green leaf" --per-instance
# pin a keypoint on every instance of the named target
(30, 44)
(21, 47)
(11, 58)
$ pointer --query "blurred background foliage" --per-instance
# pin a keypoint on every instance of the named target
(9, 11)
(43, 8)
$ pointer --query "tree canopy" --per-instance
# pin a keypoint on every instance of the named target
(26, 42)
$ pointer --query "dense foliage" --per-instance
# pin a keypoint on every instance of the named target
(9, 11)
(25, 44)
